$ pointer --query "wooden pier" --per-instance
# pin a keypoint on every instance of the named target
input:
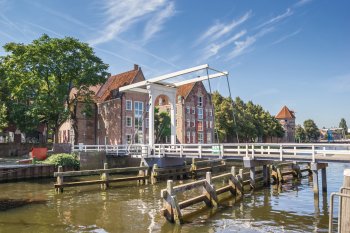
(172, 207)
(105, 176)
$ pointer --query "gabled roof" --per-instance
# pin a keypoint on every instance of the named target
(94, 89)
(285, 113)
(115, 82)
(184, 90)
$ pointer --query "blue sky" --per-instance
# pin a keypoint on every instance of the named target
(294, 53)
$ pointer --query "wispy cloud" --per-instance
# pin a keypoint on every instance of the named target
(283, 38)
(122, 15)
(276, 19)
(214, 48)
(243, 46)
(301, 3)
(220, 29)
(126, 43)
(155, 24)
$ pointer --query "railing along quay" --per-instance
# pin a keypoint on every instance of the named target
(273, 151)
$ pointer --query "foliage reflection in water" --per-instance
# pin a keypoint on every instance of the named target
(127, 207)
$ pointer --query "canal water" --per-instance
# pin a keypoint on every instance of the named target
(127, 207)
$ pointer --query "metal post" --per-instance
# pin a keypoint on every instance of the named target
(324, 179)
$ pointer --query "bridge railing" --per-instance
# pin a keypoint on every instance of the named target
(118, 150)
(273, 150)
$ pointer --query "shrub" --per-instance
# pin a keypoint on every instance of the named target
(67, 160)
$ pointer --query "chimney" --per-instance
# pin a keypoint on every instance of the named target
(136, 67)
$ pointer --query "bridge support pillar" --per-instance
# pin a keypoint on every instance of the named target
(250, 163)
(314, 170)
(266, 175)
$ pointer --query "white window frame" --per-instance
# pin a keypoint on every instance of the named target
(210, 112)
(188, 123)
(200, 113)
(188, 109)
(200, 138)
(128, 108)
(193, 123)
(193, 110)
(193, 137)
(126, 123)
(200, 129)
(211, 124)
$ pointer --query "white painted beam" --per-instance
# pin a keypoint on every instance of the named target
(138, 89)
(164, 77)
(202, 78)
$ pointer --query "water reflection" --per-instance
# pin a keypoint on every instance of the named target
(290, 207)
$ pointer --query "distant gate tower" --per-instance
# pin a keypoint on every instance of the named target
(287, 119)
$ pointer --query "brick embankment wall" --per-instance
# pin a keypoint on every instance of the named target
(20, 172)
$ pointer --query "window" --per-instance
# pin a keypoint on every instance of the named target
(98, 109)
(147, 123)
(128, 138)
(188, 138)
(188, 110)
(200, 125)
(193, 123)
(200, 138)
(128, 104)
(128, 121)
(200, 101)
(193, 110)
(207, 124)
(210, 112)
(98, 124)
(211, 124)
(209, 138)
(200, 113)
(193, 137)
(188, 123)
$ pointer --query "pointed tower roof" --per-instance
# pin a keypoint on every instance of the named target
(285, 113)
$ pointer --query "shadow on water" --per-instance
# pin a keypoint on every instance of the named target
(7, 204)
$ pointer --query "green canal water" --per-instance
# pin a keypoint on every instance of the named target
(127, 207)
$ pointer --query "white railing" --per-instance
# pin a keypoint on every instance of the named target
(259, 150)
(118, 150)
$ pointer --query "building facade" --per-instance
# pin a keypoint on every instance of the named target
(122, 117)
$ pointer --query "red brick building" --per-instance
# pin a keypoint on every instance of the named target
(122, 117)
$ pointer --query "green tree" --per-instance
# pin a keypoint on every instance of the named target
(343, 125)
(3, 116)
(300, 134)
(162, 128)
(252, 121)
(311, 131)
(41, 76)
